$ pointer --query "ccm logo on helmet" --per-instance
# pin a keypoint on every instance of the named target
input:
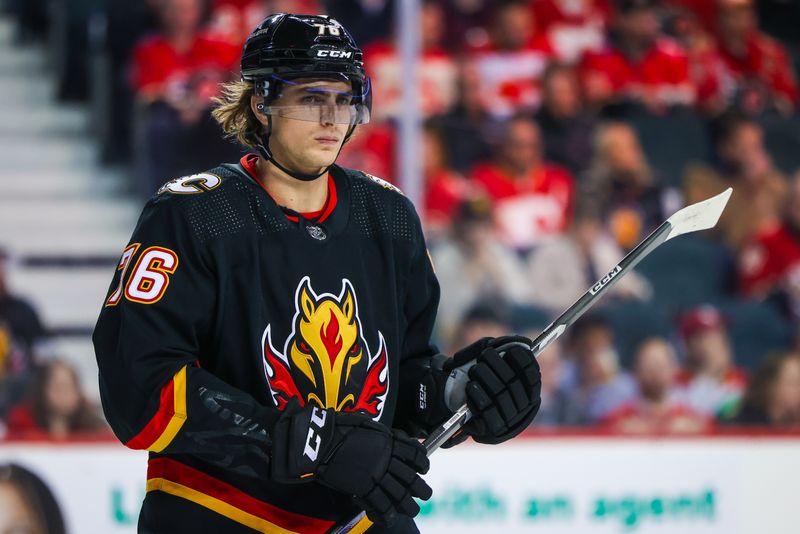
(334, 53)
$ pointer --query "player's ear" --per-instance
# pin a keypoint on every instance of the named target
(257, 105)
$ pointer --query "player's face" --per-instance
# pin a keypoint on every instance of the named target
(306, 145)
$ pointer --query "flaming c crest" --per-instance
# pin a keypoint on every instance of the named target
(326, 361)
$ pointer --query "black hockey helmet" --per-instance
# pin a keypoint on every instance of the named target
(285, 47)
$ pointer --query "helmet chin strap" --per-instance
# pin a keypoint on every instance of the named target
(265, 151)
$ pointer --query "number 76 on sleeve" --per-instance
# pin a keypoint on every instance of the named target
(149, 277)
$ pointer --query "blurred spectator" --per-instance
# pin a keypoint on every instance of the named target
(32, 20)
(533, 198)
(572, 26)
(20, 316)
(372, 148)
(593, 380)
(27, 505)
(367, 20)
(712, 383)
(467, 128)
(176, 74)
(639, 65)
(56, 407)
(567, 127)
(771, 260)
(752, 58)
(233, 20)
(437, 70)
(467, 22)
(657, 407)
(445, 189)
(707, 69)
(510, 66)
(554, 396)
(773, 397)
(473, 266)
(759, 189)
(20, 332)
(564, 267)
(481, 320)
(624, 186)
(127, 23)
(705, 11)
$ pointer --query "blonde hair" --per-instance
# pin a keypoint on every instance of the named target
(233, 113)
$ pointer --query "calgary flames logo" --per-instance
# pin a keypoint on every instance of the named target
(325, 360)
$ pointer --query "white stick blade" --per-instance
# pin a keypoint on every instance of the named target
(700, 216)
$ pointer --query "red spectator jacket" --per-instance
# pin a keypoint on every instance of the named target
(510, 78)
(766, 60)
(572, 27)
(444, 192)
(663, 70)
(437, 83)
(768, 259)
(156, 62)
(638, 417)
(529, 209)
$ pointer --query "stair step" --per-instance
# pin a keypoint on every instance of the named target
(18, 184)
(47, 154)
(49, 213)
(42, 120)
(73, 243)
(64, 296)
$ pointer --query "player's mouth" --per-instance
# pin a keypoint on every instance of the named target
(327, 140)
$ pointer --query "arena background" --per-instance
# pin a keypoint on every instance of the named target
(540, 141)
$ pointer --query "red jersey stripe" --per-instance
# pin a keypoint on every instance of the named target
(164, 474)
(166, 422)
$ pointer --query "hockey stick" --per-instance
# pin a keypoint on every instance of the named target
(700, 216)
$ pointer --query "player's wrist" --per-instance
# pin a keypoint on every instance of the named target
(301, 439)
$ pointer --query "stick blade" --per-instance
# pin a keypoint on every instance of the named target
(700, 216)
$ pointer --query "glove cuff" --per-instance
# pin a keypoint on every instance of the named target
(301, 441)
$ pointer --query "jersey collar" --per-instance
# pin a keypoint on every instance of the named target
(249, 162)
(332, 217)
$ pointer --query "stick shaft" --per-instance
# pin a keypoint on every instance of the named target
(566, 319)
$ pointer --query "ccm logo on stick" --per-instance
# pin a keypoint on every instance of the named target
(606, 279)
(334, 53)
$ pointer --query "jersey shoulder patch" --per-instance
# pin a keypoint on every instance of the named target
(381, 182)
(192, 184)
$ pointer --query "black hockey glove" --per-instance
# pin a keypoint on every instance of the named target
(503, 393)
(352, 454)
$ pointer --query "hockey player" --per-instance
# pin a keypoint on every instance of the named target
(266, 335)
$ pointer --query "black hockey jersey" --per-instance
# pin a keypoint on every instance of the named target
(223, 308)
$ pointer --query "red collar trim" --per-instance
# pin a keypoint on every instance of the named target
(249, 163)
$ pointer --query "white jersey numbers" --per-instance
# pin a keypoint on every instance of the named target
(330, 29)
(187, 185)
(150, 277)
(124, 262)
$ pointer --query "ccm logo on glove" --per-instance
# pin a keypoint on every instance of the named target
(314, 426)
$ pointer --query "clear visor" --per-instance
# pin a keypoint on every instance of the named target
(322, 113)
(307, 101)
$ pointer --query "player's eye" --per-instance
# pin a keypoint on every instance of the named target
(312, 99)
(343, 101)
